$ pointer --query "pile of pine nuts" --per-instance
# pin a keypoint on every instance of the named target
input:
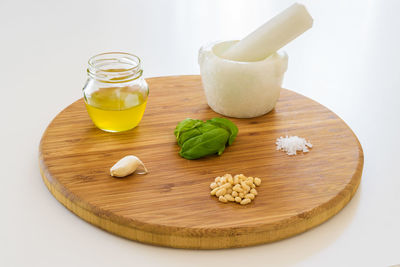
(239, 189)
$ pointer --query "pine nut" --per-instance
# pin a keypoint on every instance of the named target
(222, 199)
(236, 179)
(253, 191)
(245, 201)
(229, 197)
(213, 185)
(226, 186)
(250, 196)
(214, 191)
(220, 192)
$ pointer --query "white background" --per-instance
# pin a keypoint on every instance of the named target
(349, 62)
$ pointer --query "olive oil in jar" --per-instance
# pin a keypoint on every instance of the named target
(116, 109)
(115, 92)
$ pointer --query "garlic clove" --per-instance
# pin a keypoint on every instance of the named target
(127, 165)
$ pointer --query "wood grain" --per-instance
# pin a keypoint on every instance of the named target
(171, 205)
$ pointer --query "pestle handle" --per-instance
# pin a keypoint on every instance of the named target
(272, 35)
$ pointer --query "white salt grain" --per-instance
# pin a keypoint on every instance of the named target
(292, 144)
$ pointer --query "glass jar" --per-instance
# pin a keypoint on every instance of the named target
(115, 92)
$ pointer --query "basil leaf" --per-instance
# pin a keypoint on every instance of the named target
(208, 143)
(205, 127)
(227, 125)
(186, 125)
(201, 129)
(188, 135)
(198, 139)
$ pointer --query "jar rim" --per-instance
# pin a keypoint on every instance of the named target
(131, 70)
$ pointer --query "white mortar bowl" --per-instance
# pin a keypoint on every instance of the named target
(240, 89)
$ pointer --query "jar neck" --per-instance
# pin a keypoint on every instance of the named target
(115, 67)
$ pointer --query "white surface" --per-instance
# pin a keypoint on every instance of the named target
(349, 61)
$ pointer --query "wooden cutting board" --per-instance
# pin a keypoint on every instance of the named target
(172, 206)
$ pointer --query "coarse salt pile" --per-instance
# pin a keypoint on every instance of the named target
(292, 144)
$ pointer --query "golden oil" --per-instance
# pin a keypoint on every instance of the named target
(116, 109)
(115, 92)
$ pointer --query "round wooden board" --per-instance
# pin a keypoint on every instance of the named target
(172, 206)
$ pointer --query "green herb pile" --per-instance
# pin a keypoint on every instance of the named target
(198, 138)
